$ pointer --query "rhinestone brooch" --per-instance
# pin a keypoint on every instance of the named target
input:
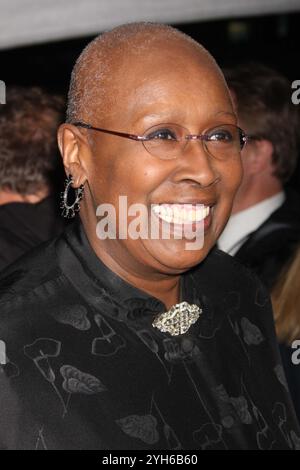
(178, 319)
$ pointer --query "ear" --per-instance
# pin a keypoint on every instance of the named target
(261, 157)
(74, 149)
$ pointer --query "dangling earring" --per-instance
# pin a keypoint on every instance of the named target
(69, 211)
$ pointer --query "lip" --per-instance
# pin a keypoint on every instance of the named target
(209, 203)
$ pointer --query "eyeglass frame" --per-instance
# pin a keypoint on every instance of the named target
(139, 138)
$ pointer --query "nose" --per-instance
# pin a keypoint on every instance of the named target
(196, 165)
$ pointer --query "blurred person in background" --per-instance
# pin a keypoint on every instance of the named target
(30, 170)
(265, 224)
(286, 305)
(264, 228)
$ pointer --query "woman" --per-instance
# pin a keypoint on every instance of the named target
(118, 340)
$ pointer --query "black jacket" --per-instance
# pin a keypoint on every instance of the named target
(86, 369)
(268, 249)
(24, 226)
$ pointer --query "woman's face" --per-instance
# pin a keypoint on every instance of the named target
(167, 86)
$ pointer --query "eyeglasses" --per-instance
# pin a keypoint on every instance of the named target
(168, 141)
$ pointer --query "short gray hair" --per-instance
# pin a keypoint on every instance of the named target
(90, 79)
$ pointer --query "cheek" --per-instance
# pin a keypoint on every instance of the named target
(232, 175)
(132, 174)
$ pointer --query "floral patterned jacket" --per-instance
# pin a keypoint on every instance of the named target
(85, 369)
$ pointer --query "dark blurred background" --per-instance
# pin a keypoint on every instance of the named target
(272, 39)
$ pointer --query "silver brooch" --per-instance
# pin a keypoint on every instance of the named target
(178, 319)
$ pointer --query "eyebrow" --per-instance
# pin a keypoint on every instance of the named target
(167, 115)
(226, 112)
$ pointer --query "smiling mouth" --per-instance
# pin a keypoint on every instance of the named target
(181, 214)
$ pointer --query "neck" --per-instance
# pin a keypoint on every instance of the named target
(250, 195)
(165, 287)
(162, 286)
(7, 197)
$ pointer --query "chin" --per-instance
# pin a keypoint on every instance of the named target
(173, 257)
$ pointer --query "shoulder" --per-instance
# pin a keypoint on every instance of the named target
(28, 288)
(225, 270)
(233, 292)
(237, 310)
(28, 272)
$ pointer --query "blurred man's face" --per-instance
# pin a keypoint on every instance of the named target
(248, 151)
(172, 84)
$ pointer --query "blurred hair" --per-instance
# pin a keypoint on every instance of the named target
(29, 157)
(263, 99)
(286, 301)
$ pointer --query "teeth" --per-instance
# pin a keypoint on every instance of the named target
(181, 213)
(156, 209)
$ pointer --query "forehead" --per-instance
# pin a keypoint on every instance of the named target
(164, 79)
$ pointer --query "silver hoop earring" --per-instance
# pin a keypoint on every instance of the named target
(68, 210)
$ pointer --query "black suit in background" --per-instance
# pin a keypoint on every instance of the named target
(270, 247)
(266, 251)
(24, 226)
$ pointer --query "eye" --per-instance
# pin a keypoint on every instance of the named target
(162, 134)
(220, 135)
